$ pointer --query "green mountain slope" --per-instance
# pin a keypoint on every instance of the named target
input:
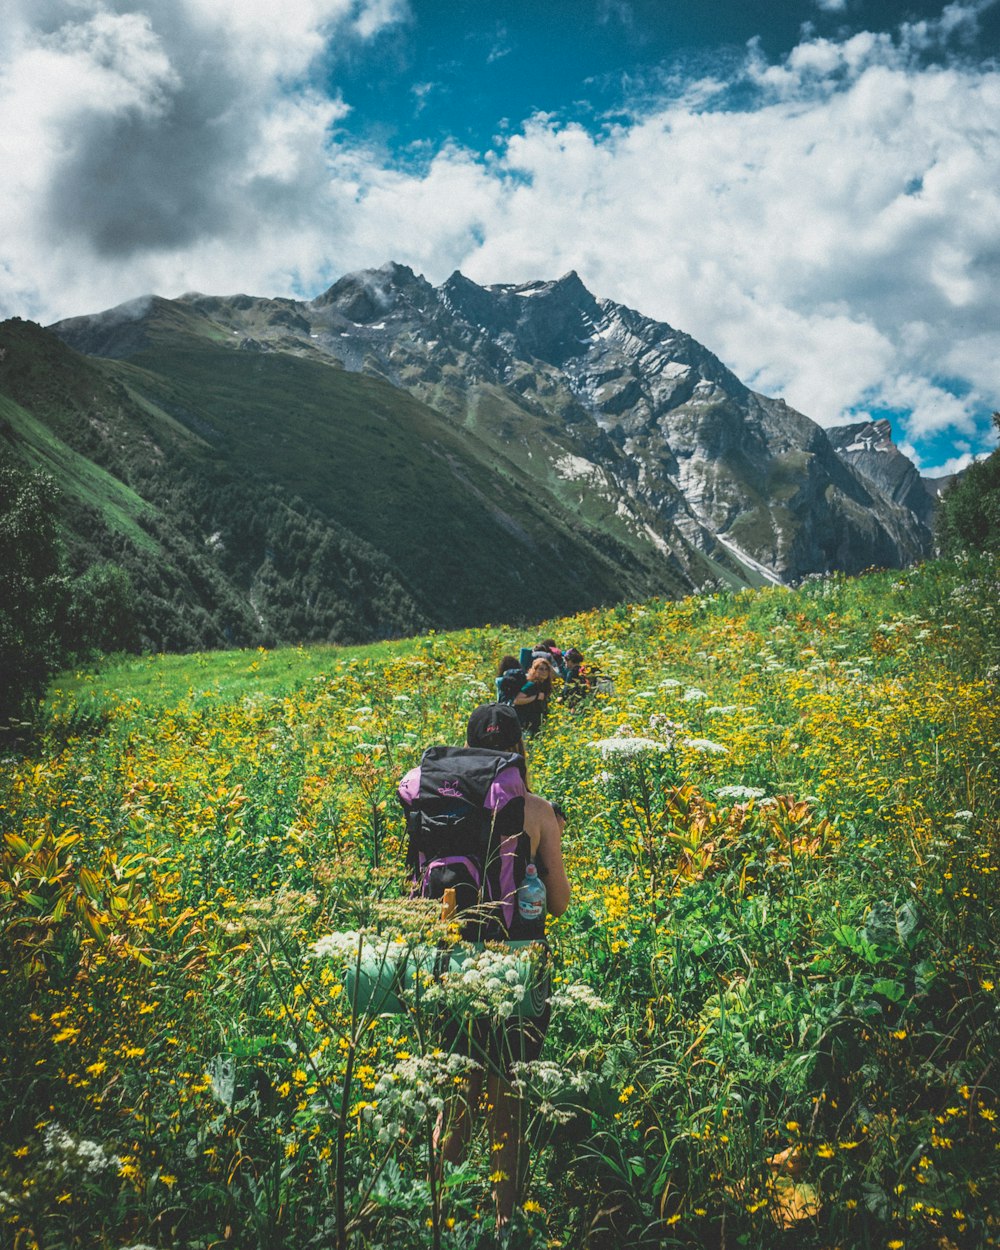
(83, 481)
(266, 497)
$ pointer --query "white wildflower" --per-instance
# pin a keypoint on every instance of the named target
(577, 995)
(344, 947)
(705, 745)
(90, 1156)
(540, 1081)
(694, 695)
(609, 747)
(413, 1089)
(492, 982)
(743, 793)
(336, 946)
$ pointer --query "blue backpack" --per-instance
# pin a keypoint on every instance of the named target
(509, 684)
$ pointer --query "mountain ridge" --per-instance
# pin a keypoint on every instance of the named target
(281, 496)
(538, 405)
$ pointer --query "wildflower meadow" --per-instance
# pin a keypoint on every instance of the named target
(775, 994)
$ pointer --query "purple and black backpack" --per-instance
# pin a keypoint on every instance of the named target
(465, 830)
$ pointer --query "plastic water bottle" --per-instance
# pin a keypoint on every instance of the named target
(531, 898)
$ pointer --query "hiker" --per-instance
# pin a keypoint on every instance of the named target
(509, 679)
(532, 828)
(577, 678)
(548, 650)
(532, 701)
(556, 655)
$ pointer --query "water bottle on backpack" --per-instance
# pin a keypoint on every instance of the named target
(531, 903)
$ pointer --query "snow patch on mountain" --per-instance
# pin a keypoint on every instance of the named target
(574, 468)
(748, 560)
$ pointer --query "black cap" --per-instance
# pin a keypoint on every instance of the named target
(494, 726)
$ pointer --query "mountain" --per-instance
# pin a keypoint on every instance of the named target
(627, 422)
(655, 426)
(256, 498)
(623, 418)
(479, 453)
(868, 448)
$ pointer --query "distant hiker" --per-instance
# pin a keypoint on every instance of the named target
(469, 814)
(556, 653)
(547, 649)
(510, 677)
(532, 701)
(578, 680)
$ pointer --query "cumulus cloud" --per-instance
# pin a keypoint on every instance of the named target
(134, 136)
(835, 241)
(827, 223)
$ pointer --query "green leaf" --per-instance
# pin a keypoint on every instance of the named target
(892, 990)
(17, 844)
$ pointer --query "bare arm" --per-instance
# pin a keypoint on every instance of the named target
(544, 828)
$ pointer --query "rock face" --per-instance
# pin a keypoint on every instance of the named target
(623, 419)
(867, 446)
(627, 410)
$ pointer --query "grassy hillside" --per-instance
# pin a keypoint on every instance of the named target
(81, 480)
(775, 1011)
(472, 540)
(262, 498)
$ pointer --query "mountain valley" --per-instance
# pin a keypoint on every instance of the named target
(393, 456)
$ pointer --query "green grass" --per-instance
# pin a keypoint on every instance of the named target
(795, 1035)
(77, 476)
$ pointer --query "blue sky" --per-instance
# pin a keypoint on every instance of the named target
(809, 188)
(470, 71)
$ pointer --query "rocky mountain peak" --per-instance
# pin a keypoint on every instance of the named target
(868, 447)
(546, 321)
(569, 289)
(369, 295)
(863, 436)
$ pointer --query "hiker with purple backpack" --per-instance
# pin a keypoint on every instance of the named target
(473, 830)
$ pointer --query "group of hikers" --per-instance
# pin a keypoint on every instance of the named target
(526, 681)
(477, 838)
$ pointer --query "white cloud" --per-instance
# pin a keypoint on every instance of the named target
(144, 143)
(836, 243)
(831, 232)
(939, 468)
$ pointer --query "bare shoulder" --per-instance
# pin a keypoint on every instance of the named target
(537, 809)
(544, 828)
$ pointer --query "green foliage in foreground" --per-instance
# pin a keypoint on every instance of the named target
(776, 989)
